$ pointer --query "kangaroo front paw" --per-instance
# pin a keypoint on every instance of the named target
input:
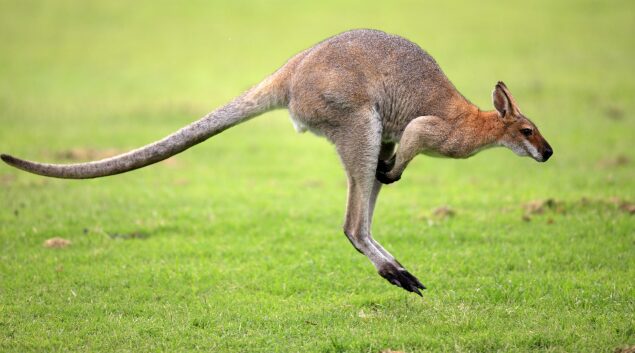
(383, 171)
(400, 277)
(384, 178)
(386, 166)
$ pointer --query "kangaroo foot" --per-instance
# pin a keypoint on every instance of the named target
(400, 277)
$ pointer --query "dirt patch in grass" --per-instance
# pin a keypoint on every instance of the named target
(438, 215)
(614, 161)
(126, 236)
(172, 162)
(7, 179)
(443, 212)
(313, 184)
(614, 112)
(627, 207)
(181, 181)
(625, 349)
(623, 205)
(57, 243)
(551, 206)
(538, 207)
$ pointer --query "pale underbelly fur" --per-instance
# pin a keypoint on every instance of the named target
(300, 127)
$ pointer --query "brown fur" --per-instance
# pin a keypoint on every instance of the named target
(366, 91)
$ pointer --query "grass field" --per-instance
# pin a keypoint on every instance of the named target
(236, 245)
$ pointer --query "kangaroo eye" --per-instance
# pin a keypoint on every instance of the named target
(526, 132)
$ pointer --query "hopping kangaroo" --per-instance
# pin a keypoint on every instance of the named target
(367, 92)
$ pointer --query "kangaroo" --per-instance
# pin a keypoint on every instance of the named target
(379, 98)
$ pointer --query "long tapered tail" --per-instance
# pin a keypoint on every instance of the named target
(263, 97)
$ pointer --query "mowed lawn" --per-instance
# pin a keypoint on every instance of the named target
(236, 245)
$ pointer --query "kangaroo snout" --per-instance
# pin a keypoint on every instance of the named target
(547, 153)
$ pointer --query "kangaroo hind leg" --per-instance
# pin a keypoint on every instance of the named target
(359, 149)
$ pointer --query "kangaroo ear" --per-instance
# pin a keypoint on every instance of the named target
(503, 100)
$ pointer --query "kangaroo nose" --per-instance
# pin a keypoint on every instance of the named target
(546, 154)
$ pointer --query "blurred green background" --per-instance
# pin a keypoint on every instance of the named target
(236, 245)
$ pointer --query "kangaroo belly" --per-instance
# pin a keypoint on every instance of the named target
(301, 127)
(298, 125)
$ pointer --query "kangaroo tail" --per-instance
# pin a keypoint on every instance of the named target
(265, 96)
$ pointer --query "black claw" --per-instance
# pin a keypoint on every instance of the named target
(414, 279)
(401, 278)
(416, 291)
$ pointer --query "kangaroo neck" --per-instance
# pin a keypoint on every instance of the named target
(476, 129)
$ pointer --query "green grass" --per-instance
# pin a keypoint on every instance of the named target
(241, 247)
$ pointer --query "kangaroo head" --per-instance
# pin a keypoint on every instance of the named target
(520, 134)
